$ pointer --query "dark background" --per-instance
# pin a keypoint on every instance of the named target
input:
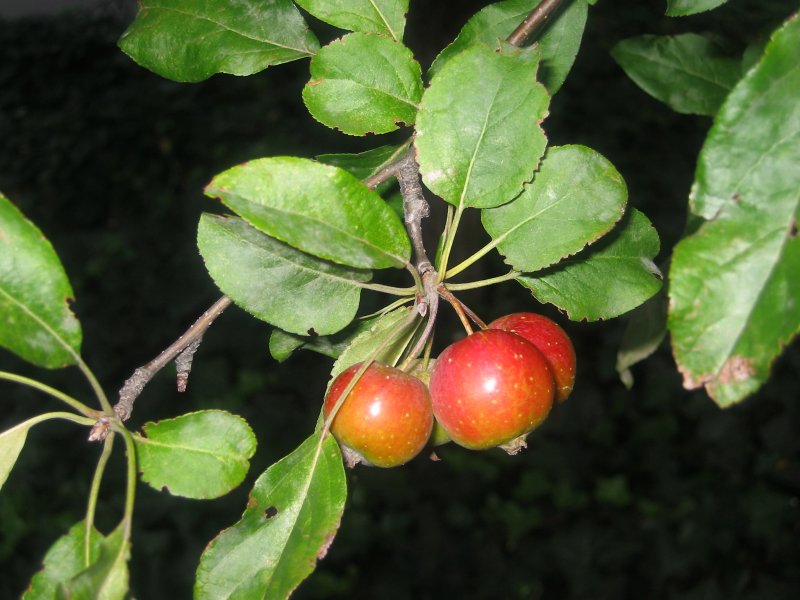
(648, 493)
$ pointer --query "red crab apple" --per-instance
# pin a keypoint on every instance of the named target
(551, 340)
(491, 389)
(386, 419)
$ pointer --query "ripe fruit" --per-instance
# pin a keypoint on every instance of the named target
(491, 389)
(551, 340)
(386, 419)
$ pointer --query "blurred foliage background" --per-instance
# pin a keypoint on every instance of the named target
(648, 493)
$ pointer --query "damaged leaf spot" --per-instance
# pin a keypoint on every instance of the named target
(793, 229)
(270, 512)
(312, 333)
(736, 368)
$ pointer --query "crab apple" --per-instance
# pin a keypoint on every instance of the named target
(386, 419)
(491, 389)
(551, 340)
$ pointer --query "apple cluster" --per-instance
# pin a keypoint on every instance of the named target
(490, 389)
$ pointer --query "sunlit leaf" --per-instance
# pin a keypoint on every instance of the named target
(187, 40)
(364, 84)
(215, 443)
(35, 319)
(609, 278)
(376, 16)
(276, 283)
(319, 209)
(688, 72)
(575, 198)
(476, 149)
(292, 516)
(734, 284)
(559, 41)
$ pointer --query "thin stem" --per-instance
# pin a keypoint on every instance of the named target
(388, 289)
(458, 306)
(94, 492)
(471, 260)
(59, 395)
(130, 493)
(142, 376)
(64, 416)
(448, 244)
(484, 282)
(415, 274)
(96, 387)
(390, 307)
(535, 20)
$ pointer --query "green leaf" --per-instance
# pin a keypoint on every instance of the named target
(575, 198)
(215, 443)
(186, 40)
(476, 149)
(63, 561)
(363, 164)
(106, 578)
(683, 8)
(734, 285)
(35, 319)
(386, 335)
(559, 42)
(11, 443)
(373, 16)
(319, 209)
(688, 72)
(364, 84)
(282, 343)
(646, 329)
(276, 283)
(292, 516)
(609, 278)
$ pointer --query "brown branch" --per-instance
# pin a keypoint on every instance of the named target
(534, 21)
(182, 349)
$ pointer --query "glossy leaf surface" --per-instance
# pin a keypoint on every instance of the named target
(276, 283)
(476, 149)
(609, 278)
(364, 84)
(172, 453)
(292, 516)
(688, 72)
(376, 16)
(575, 198)
(734, 285)
(319, 209)
(36, 322)
(559, 41)
(187, 40)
